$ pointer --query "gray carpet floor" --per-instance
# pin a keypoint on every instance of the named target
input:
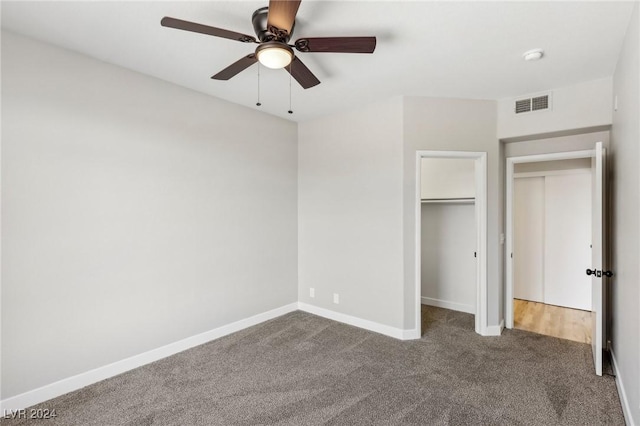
(300, 369)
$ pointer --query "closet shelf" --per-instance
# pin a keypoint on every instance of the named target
(448, 200)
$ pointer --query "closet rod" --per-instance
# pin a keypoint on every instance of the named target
(449, 200)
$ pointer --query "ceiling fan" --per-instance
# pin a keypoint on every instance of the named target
(274, 26)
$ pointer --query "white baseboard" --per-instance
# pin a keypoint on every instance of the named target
(81, 380)
(412, 334)
(626, 409)
(387, 330)
(470, 309)
(494, 330)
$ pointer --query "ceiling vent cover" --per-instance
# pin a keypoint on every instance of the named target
(540, 102)
(523, 105)
(536, 103)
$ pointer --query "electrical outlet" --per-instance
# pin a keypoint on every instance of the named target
(312, 292)
(336, 298)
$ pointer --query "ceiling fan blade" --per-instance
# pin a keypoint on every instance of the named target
(337, 44)
(205, 29)
(282, 14)
(302, 74)
(236, 67)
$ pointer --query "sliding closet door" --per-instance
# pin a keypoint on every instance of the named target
(528, 241)
(568, 239)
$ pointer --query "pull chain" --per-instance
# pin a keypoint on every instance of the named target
(258, 103)
(290, 74)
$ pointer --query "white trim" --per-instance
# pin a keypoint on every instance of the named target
(87, 378)
(565, 155)
(494, 330)
(552, 173)
(1, 210)
(481, 230)
(417, 267)
(626, 408)
(470, 309)
(508, 253)
(81, 380)
(376, 327)
(510, 176)
(412, 334)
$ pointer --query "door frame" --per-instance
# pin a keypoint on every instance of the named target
(481, 232)
(508, 254)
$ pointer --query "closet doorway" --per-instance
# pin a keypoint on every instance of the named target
(451, 233)
(551, 239)
(596, 265)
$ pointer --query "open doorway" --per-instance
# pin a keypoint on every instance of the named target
(451, 235)
(596, 268)
(551, 240)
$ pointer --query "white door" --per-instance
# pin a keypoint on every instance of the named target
(597, 257)
(567, 237)
(528, 239)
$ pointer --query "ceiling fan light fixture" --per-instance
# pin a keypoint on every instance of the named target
(274, 54)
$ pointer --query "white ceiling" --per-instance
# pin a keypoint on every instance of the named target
(440, 49)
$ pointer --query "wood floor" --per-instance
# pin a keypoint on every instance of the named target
(550, 320)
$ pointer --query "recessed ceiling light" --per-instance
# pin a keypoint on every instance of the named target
(533, 55)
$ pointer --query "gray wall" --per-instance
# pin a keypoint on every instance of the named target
(573, 107)
(356, 201)
(448, 265)
(447, 178)
(451, 125)
(350, 212)
(548, 144)
(135, 213)
(625, 138)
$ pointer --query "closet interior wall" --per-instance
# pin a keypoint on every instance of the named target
(448, 233)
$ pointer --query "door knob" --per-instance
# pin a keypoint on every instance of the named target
(599, 274)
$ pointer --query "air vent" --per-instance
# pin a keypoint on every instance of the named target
(523, 105)
(540, 102)
(536, 103)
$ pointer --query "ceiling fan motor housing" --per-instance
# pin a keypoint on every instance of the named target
(262, 30)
